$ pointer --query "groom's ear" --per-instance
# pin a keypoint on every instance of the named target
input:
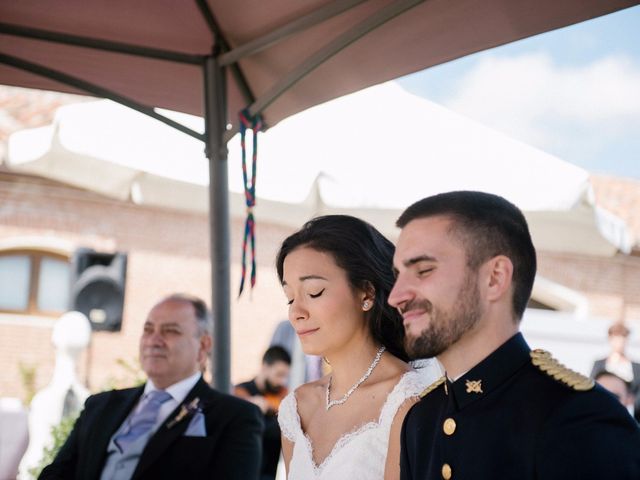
(499, 277)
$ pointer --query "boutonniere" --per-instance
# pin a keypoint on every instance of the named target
(188, 409)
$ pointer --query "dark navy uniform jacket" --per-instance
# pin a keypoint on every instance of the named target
(507, 419)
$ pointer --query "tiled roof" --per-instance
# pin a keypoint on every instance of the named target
(22, 108)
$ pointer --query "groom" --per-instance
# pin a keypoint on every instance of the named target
(175, 426)
(465, 266)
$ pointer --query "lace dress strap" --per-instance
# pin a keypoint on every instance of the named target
(411, 384)
(288, 417)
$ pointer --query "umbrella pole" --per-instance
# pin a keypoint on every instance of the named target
(216, 151)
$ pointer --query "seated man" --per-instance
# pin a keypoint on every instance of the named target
(175, 426)
(266, 391)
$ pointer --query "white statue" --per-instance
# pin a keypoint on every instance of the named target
(64, 395)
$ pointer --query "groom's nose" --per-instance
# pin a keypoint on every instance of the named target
(401, 293)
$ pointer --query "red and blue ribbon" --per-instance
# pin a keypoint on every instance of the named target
(255, 124)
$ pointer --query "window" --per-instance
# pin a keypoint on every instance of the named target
(15, 271)
(34, 282)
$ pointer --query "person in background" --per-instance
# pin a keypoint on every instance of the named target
(619, 388)
(266, 391)
(619, 364)
(173, 426)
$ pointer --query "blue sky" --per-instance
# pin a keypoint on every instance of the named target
(573, 92)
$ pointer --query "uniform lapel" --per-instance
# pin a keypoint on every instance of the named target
(171, 429)
(491, 372)
(115, 411)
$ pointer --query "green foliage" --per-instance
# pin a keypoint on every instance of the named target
(130, 376)
(59, 434)
(28, 378)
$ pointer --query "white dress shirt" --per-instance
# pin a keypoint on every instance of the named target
(178, 392)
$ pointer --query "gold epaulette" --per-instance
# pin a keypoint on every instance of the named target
(433, 386)
(549, 365)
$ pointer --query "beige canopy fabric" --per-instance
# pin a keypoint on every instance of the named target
(410, 36)
(277, 57)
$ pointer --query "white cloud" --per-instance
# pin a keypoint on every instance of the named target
(545, 104)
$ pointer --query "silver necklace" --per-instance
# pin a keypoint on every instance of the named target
(367, 374)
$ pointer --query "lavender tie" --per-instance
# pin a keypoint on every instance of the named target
(142, 421)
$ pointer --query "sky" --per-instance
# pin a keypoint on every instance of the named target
(573, 92)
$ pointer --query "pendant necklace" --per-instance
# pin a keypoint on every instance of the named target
(367, 374)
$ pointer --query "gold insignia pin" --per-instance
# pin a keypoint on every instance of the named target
(474, 386)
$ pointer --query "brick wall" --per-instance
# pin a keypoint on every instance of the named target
(168, 252)
(612, 285)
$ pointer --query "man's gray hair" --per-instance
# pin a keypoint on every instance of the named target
(203, 316)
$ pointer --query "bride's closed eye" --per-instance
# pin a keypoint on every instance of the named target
(312, 295)
(316, 295)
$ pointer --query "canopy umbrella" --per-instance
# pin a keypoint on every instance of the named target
(215, 57)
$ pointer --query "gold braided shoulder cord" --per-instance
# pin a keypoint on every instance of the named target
(549, 365)
(433, 386)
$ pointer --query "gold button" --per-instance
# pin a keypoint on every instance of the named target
(446, 471)
(449, 426)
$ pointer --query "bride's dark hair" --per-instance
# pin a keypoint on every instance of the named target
(367, 258)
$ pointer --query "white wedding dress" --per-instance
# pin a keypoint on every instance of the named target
(361, 453)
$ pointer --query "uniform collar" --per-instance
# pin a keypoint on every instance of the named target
(491, 372)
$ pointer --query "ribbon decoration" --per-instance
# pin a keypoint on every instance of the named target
(255, 124)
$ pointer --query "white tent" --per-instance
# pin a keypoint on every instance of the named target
(371, 154)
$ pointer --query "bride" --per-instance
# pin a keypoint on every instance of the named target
(337, 273)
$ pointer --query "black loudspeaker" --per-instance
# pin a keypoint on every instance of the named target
(97, 287)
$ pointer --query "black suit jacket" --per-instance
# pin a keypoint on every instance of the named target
(230, 451)
(507, 419)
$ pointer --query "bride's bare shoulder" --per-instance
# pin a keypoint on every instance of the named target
(310, 395)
